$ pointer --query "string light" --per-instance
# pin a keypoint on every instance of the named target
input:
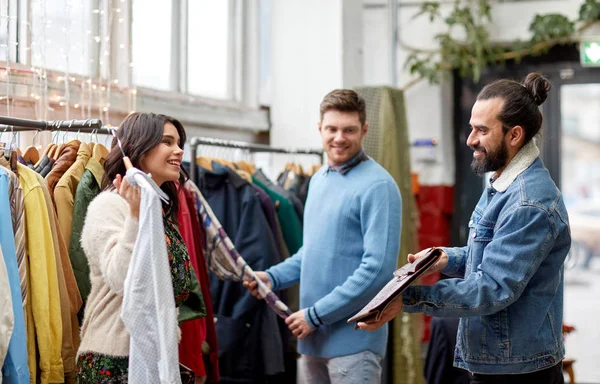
(52, 42)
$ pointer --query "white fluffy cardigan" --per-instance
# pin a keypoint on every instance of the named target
(107, 238)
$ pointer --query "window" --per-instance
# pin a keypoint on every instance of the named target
(265, 25)
(152, 50)
(197, 33)
(208, 48)
(8, 30)
(64, 35)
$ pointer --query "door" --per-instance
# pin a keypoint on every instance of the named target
(580, 185)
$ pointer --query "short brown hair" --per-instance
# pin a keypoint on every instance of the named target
(344, 100)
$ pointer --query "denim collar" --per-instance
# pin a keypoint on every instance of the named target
(346, 166)
(522, 160)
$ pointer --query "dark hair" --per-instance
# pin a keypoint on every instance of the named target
(521, 102)
(344, 100)
(140, 133)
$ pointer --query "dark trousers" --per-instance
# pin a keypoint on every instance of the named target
(552, 375)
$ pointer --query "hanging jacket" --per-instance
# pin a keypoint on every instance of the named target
(7, 318)
(44, 331)
(290, 225)
(239, 316)
(66, 158)
(296, 203)
(87, 189)
(17, 210)
(211, 354)
(14, 369)
(70, 300)
(64, 191)
(193, 332)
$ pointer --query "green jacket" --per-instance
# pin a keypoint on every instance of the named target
(87, 190)
(290, 225)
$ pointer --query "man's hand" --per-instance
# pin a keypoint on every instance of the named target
(252, 286)
(391, 311)
(298, 325)
(437, 267)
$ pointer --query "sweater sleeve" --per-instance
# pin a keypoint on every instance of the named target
(108, 237)
(380, 216)
(286, 273)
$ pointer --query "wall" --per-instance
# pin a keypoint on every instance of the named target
(316, 47)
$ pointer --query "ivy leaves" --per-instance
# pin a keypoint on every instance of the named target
(470, 18)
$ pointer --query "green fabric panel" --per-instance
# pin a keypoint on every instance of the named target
(290, 225)
(87, 189)
(387, 143)
(193, 308)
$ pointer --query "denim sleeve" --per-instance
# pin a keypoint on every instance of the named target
(380, 214)
(521, 242)
(457, 258)
(286, 273)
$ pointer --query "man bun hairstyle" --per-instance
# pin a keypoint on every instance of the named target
(521, 102)
(538, 86)
(344, 100)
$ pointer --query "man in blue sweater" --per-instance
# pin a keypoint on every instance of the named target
(352, 224)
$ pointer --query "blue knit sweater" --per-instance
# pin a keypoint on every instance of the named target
(352, 226)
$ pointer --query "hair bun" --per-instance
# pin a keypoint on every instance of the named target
(538, 86)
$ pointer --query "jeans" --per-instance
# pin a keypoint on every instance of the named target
(552, 375)
(360, 368)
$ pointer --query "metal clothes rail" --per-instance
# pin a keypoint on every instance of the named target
(12, 124)
(197, 141)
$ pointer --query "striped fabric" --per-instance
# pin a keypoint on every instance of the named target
(224, 260)
(17, 209)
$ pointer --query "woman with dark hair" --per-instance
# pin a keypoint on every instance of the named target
(154, 143)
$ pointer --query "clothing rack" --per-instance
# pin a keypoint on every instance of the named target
(12, 124)
(196, 141)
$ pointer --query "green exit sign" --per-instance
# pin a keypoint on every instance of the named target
(589, 53)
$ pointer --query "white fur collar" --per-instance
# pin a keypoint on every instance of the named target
(522, 160)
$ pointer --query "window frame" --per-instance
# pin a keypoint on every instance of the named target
(238, 115)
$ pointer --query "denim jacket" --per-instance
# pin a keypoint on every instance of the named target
(509, 286)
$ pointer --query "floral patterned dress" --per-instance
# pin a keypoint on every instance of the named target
(99, 368)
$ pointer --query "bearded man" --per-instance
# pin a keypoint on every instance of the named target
(508, 280)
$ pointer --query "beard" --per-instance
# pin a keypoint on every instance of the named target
(492, 161)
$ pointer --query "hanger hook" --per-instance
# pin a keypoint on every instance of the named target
(2, 133)
(34, 136)
(56, 136)
(13, 141)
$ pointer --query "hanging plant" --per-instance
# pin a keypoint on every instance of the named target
(470, 18)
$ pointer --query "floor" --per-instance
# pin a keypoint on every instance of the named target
(582, 310)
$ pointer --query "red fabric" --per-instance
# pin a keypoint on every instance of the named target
(193, 332)
(212, 367)
(436, 206)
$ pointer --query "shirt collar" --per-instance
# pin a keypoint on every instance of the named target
(97, 170)
(346, 166)
(522, 160)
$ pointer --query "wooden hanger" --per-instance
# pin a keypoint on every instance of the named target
(45, 153)
(31, 154)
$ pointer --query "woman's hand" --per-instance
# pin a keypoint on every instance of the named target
(130, 193)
